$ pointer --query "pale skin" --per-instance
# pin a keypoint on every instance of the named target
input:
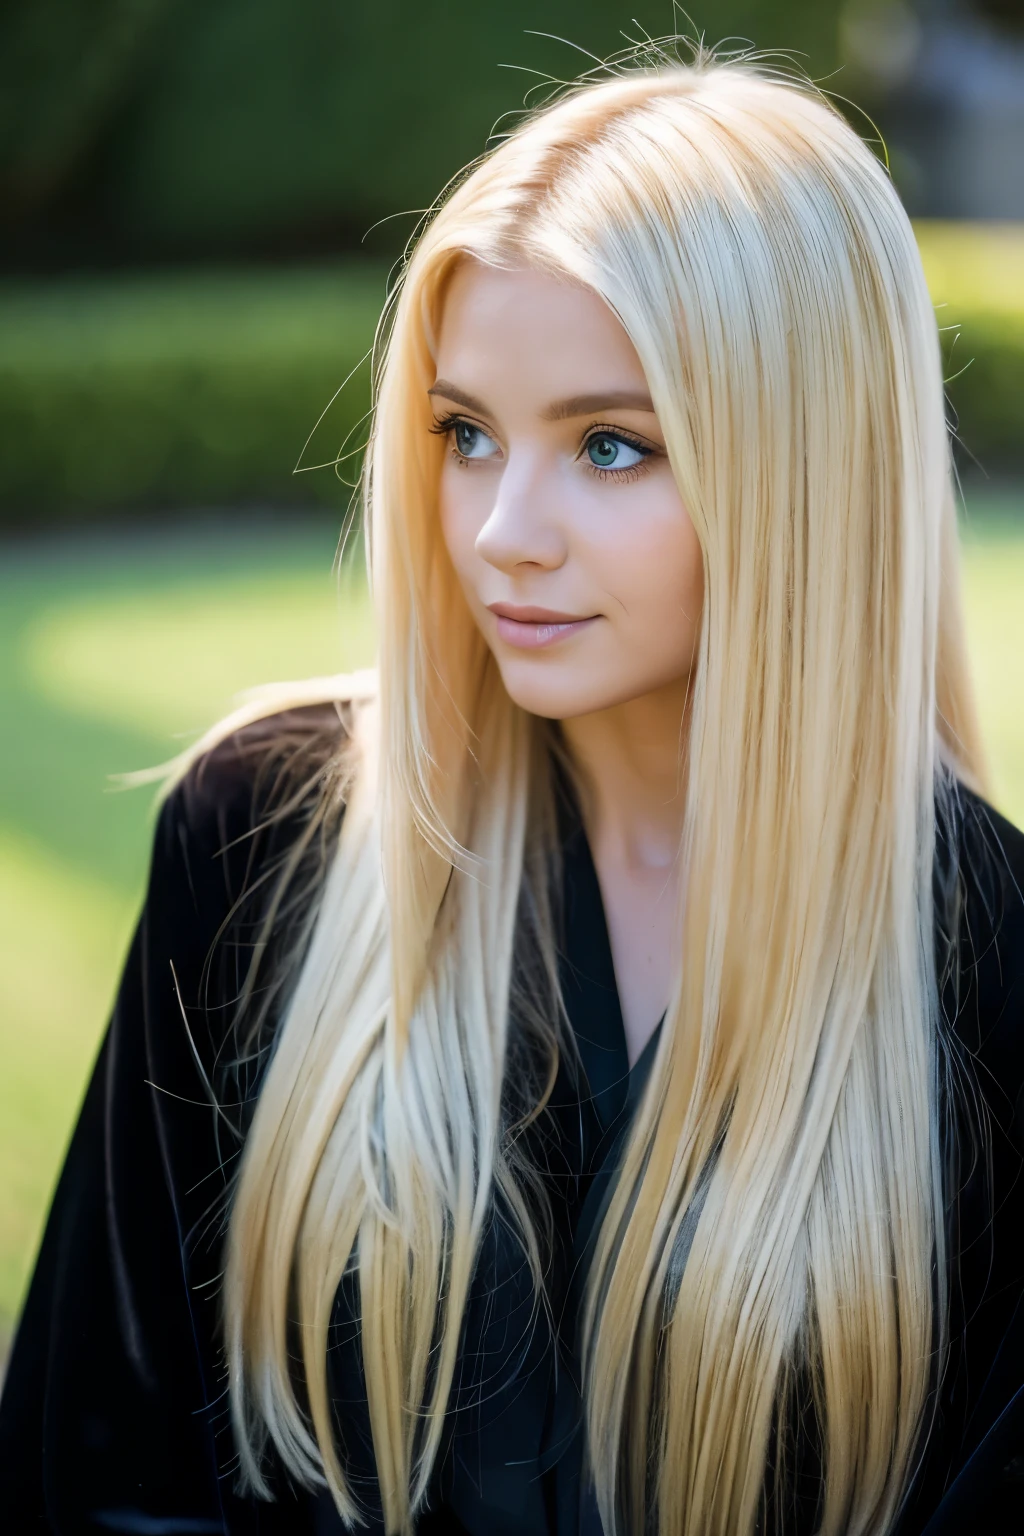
(560, 510)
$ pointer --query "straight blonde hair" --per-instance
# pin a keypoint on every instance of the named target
(779, 1215)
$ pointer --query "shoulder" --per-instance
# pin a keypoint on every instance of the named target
(989, 980)
(255, 759)
(257, 778)
(990, 862)
(262, 762)
(244, 838)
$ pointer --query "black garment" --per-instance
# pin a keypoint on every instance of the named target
(115, 1413)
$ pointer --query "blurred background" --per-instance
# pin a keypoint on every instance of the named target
(200, 201)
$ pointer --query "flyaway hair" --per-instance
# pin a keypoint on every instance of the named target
(778, 1223)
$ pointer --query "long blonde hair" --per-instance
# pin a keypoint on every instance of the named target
(779, 1212)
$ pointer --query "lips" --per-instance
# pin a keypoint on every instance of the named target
(529, 628)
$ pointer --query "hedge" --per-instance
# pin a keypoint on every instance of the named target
(180, 389)
(200, 389)
(976, 276)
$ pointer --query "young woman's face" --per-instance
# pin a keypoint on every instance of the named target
(559, 508)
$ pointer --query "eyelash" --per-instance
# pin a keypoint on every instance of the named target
(630, 471)
(445, 426)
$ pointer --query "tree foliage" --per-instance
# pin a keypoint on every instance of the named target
(196, 126)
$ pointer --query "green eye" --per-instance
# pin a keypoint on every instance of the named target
(607, 452)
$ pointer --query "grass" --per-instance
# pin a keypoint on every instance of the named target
(114, 651)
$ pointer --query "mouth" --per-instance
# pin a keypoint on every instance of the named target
(529, 628)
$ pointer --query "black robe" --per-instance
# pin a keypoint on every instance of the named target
(115, 1414)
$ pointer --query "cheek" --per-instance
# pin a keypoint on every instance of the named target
(453, 528)
(651, 565)
(463, 512)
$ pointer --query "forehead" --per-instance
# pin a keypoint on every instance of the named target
(524, 324)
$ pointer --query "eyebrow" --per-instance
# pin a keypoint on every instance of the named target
(559, 410)
(590, 405)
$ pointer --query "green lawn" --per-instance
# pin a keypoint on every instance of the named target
(114, 651)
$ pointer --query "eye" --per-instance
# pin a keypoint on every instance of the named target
(607, 451)
(472, 442)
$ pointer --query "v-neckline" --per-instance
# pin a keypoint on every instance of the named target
(609, 1094)
(589, 987)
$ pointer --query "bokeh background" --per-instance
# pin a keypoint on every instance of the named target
(201, 201)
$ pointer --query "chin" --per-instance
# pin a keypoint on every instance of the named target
(558, 695)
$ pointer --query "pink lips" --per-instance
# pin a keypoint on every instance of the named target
(530, 628)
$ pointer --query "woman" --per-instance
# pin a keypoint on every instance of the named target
(576, 1087)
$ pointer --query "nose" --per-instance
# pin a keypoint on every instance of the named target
(523, 528)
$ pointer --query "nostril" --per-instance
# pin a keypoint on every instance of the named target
(515, 536)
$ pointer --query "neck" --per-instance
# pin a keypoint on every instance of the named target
(631, 759)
